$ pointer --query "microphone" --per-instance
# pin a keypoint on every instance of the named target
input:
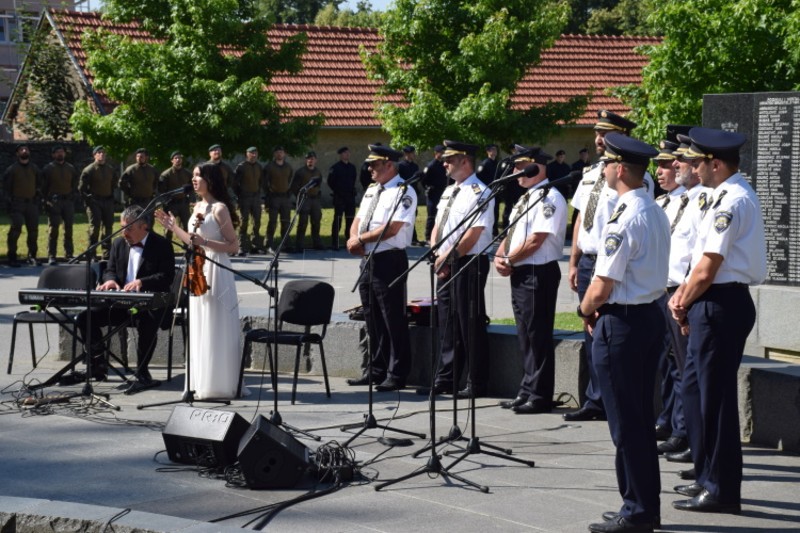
(185, 190)
(528, 172)
(310, 185)
(413, 179)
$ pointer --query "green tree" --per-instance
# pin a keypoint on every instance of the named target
(712, 46)
(627, 17)
(51, 90)
(294, 11)
(363, 16)
(201, 79)
(448, 70)
(581, 11)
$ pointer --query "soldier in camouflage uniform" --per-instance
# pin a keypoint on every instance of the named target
(139, 182)
(277, 177)
(60, 188)
(22, 184)
(172, 178)
(97, 184)
(247, 187)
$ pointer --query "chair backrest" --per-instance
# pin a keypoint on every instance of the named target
(69, 276)
(306, 303)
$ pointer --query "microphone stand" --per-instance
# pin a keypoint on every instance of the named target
(272, 275)
(369, 418)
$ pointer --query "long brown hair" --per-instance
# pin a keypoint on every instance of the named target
(212, 174)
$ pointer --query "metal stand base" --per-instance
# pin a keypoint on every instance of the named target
(371, 423)
(433, 466)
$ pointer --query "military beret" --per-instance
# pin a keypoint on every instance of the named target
(667, 151)
(98, 149)
(610, 121)
(252, 149)
(383, 153)
(342, 150)
(459, 148)
(709, 143)
(56, 148)
(175, 153)
(490, 146)
(409, 149)
(142, 151)
(278, 148)
(20, 146)
(214, 147)
(623, 149)
(310, 154)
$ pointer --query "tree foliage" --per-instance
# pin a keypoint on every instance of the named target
(627, 17)
(455, 66)
(51, 90)
(713, 46)
(363, 16)
(294, 11)
(189, 89)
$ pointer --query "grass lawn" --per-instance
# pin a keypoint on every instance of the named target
(564, 322)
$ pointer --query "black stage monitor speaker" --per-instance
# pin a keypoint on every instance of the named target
(271, 458)
(204, 437)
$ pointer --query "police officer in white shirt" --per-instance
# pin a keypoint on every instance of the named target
(621, 308)
(465, 331)
(715, 309)
(529, 255)
(384, 307)
(595, 201)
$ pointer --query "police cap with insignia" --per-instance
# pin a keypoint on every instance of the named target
(175, 154)
(98, 149)
(452, 148)
(685, 142)
(610, 121)
(666, 151)
(214, 147)
(379, 152)
(533, 153)
(708, 143)
(252, 149)
(522, 153)
(342, 150)
(623, 149)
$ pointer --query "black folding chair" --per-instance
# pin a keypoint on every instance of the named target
(303, 303)
(175, 316)
(55, 277)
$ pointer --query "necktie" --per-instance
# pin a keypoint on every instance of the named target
(521, 205)
(707, 206)
(594, 197)
(684, 202)
(446, 212)
(370, 210)
(667, 199)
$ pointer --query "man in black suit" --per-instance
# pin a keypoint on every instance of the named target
(140, 261)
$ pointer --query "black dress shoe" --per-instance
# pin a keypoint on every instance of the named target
(673, 445)
(584, 414)
(438, 388)
(688, 475)
(533, 407)
(620, 524)
(139, 386)
(612, 515)
(471, 392)
(390, 384)
(663, 432)
(689, 490)
(358, 382)
(679, 457)
(72, 378)
(705, 503)
(516, 402)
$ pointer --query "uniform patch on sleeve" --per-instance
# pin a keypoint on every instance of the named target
(407, 201)
(548, 209)
(613, 240)
(722, 221)
(476, 188)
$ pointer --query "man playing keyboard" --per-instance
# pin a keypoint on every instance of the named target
(140, 261)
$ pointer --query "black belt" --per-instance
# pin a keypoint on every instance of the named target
(593, 257)
(607, 308)
(729, 285)
(392, 251)
(671, 290)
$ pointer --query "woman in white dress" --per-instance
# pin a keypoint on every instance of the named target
(214, 329)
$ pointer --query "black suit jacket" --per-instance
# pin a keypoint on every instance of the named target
(156, 269)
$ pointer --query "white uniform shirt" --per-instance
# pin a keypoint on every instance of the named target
(590, 242)
(684, 236)
(472, 192)
(405, 213)
(674, 202)
(548, 216)
(134, 260)
(733, 227)
(636, 250)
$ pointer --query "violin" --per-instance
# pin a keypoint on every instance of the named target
(196, 280)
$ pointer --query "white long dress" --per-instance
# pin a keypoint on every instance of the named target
(214, 345)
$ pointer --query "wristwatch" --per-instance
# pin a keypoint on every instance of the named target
(580, 314)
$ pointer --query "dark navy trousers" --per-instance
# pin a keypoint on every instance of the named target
(585, 271)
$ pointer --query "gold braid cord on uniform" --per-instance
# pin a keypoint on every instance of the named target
(594, 197)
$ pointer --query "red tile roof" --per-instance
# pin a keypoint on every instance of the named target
(334, 80)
